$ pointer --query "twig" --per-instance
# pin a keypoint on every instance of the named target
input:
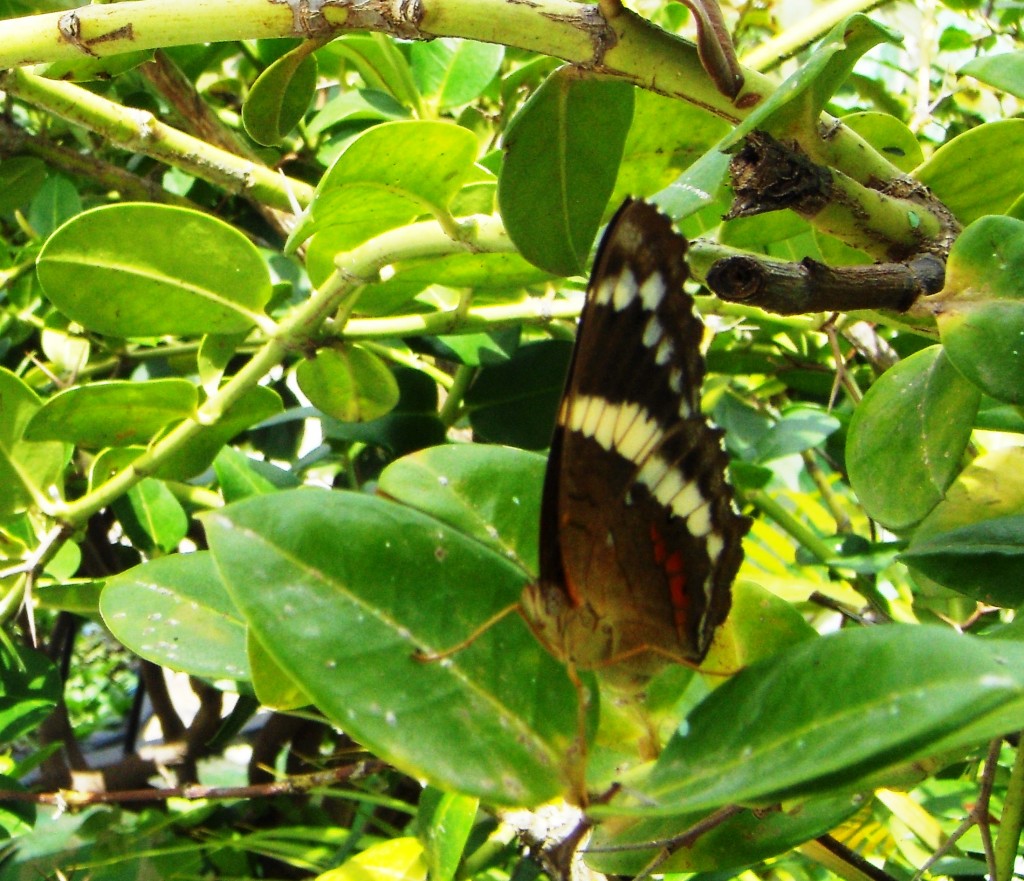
(68, 798)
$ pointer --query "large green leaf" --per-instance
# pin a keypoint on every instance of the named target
(380, 63)
(981, 310)
(175, 612)
(831, 712)
(666, 137)
(114, 413)
(900, 474)
(342, 590)
(133, 270)
(1003, 71)
(964, 543)
(562, 153)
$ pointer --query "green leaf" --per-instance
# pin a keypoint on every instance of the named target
(801, 427)
(742, 840)
(215, 353)
(696, 188)
(977, 172)
(444, 821)
(238, 477)
(356, 105)
(30, 687)
(81, 596)
(146, 270)
(351, 383)
(24, 465)
(990, 485)
(113, 414)
(514, 403)
(56, 201)
(175, 612)
(478, 349)
(1003, 71)
(981, 311)
(388, 176)
(900, 475)
(278, 99)
(832, 711)
(666, 137)
(273, 687)
(799, 101)
(197, 455)
(380, 63)
(495, 719)
(477, 489)
(20, 179)
(562, 153)
(151, 516)
(454, 72)
(888, 136)
(395, 859)
(984, 560)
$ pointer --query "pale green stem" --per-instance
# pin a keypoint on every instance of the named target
(477, 318)
(1010, 821)
(804, 31)
(629, 47)
(409, 359)
(141, 132)
(452, 406)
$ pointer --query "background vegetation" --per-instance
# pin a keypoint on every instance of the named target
(250, 247)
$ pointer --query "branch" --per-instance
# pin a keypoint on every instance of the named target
(809, 286)
(892, 219)
(139, 131)
(302, 324)
(304, 783)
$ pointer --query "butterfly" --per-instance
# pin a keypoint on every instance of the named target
(640, 539)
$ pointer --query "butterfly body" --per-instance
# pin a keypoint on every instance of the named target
(640, 539)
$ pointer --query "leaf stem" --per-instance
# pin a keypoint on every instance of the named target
(1011, 821)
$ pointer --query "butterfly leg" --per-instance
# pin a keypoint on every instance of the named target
(428, 657)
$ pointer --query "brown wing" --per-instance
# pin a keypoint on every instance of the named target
(640, 540)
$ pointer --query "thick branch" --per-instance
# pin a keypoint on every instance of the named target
(809, 286)
(891, 220)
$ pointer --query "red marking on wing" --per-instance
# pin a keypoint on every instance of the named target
(675, 569)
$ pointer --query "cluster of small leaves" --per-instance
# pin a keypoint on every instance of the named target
(240, 445)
